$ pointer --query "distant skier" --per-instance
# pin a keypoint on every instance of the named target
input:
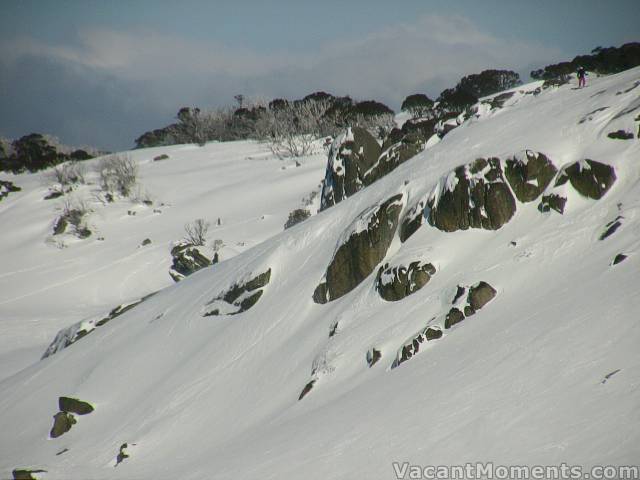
(582, 80)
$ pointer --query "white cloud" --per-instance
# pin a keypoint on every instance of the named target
(151, 74)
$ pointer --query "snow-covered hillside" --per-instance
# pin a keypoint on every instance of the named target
(271, 364)
(49, 282)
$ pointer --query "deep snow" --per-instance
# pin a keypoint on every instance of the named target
(521, 382)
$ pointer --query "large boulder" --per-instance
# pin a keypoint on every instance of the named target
(478, 296)
(364, 247)
(395, 283)
(351, 155)
(73, 405)
(62, 423)
(472, 196)
(591, 179)
(529, 174)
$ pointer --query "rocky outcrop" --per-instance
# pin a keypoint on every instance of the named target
(7, 187)
(26, 474)
(478, 296)
(73, 405)
(552, 201)
(591, 179)
(62, 423)
(70, 335)
(619, 258)
(65, 419)
(395, 283)
(620, 135)
(407, 147)
(240, 297)
(472, 196)
(351, 155)
(529, 174)
(611, 228)
(187, 259)
(412, 346)
(361, 250)
(373, 355)
(307, 388)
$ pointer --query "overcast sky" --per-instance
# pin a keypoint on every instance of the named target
(103, 72)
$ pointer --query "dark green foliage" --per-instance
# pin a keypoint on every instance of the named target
(488, 82)
(418, 104)
(31, 153)
(455, 100)
(602, 60)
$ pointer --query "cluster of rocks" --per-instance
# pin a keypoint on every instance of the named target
(187, 259)
(240, 297)
(396, 282)
(477, 296)
(65, 419)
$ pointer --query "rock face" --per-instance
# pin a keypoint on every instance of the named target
(351, 155)
(361, 251)
(240, 297)
(472, 196)
(73, 405)
(529, 174)
(187, 259)
(407, 147)
(412, 346)
(62, 423)
(591, 179)
(480, 294)
(395, 283)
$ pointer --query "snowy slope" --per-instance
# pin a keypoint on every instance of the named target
(521, 382)
(49, 282)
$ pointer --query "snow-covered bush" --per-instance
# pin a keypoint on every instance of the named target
(69, 173)
(118, 174)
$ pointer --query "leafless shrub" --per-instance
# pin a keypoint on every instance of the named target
(196, 232)
(118, 174)
(69, 173)
(293, 131)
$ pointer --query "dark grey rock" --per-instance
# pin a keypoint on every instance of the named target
(307, 388)
(350, 156)
(611, 228)
(529, 175)
(620, 135)
(619, 258)
(454, 316)
(590, 178)
(480, 295)
(358, 256)
(187, 259)
(62, 423)
(73, 405)
(395, 283)
(240, 296)
(373, 356)
(472, 196)
(552, 202)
